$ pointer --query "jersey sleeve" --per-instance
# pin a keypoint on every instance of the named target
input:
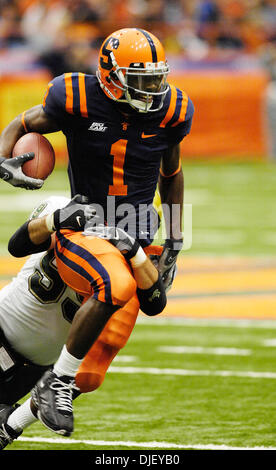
(182, 127)
(179, 116)
(66, 96)
(54, 102)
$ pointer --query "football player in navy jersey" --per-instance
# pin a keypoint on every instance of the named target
(120, 126)
(123, 129)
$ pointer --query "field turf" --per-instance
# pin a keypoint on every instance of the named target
(232, 206)
(219, 392)
(201, 376)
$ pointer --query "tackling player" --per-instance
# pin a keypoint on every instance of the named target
(123, 128)
(37, 308)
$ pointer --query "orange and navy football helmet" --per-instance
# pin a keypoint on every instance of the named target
(133, 68)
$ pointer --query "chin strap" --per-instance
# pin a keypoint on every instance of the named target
(141, 106)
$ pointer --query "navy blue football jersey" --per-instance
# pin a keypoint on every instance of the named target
(113, 154)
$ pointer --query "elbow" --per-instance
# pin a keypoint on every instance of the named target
(19, 241)
(13, 247)
(20, 244)
(153, 300)
(155, 308)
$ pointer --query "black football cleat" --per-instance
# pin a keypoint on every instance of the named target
(52, 396)
(7, 434)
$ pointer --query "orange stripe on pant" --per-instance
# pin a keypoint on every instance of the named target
(113, 338)
(93, 267)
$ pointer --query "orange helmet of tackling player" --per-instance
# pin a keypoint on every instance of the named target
(133, 68)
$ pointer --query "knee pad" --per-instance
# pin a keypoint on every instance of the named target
(119, 327)
(92, 370)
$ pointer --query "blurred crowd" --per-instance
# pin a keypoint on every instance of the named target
(66, 34)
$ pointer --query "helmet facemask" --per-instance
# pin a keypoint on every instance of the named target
(144, 86)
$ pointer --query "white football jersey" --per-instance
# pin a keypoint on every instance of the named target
(36, 308)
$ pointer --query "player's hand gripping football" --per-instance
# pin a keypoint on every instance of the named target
(73, 216)
(166, 263)
(11, 171)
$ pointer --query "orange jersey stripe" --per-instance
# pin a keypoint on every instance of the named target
(76, 281)
(46, 94)
(23, 121)
(171, 108)
(183, 109)
(83, 103)
(68, 92)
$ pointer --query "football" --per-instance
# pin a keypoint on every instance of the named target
(42, 165)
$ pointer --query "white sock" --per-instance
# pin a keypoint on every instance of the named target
(22, 417)
(66, 364)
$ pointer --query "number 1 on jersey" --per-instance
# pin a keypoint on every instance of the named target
(118, 151)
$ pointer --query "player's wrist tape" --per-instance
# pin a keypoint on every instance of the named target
(174, 244)
(50, 222)
(138, 259)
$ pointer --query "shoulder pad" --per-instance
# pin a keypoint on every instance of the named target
(179, 108)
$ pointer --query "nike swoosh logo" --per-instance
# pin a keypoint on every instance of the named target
(145, 136)
(78, 219)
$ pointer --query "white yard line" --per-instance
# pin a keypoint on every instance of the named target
(270, 342)
(187, 372)
(26, 202)
(221, 351)
(147, 445)
(124, 358)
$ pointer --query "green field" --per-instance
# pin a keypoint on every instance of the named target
(232, 206)
(223, 399)
(217, 390)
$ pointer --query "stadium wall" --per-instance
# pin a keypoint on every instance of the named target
(229, 121)
(229, 118)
